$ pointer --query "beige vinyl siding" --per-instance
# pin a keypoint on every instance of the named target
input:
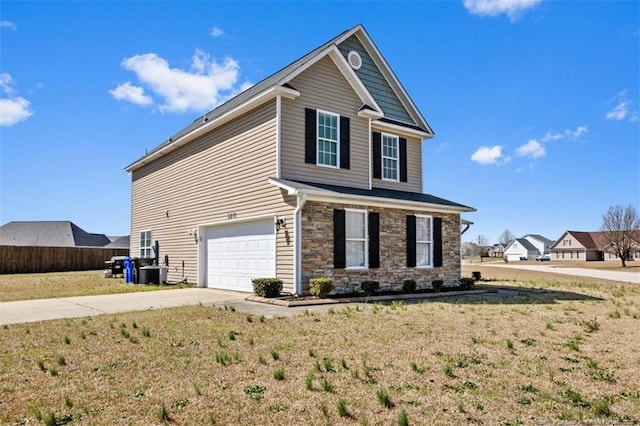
(322, 86)
(414, 167)
(223, 172)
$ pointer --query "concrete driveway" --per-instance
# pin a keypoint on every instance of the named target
(621, 276)
(83, 306)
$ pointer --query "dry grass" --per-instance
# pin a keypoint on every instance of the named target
(552, 350)
(632, 266)
(65, 284)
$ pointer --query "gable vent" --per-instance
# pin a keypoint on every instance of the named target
(354, 60)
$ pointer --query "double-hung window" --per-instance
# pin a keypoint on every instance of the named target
(328, 138)
(356, 238)
(424, 241)
(145, 244)
(390, 157)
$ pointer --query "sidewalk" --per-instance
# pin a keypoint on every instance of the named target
(621, 276)
(82, 306)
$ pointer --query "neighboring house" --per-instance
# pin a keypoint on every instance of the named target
(520, 249)
(49, 234)
(496, 250)
(589, 246)
(542, 244)
(528, 247)
(314, 171)
(119, 242)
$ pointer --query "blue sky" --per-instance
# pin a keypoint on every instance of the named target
(535, 104)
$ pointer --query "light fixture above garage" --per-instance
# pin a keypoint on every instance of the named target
(280, 222)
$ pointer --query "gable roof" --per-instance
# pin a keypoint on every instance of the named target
(369, 195)
(524, 243)
(540, 238)
(119, 242)
(589, 240)
(49, 234)
(278, 84)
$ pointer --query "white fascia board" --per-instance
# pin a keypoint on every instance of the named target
(365, 200)
(395, 128)
(252, 103)
(353, 79)
(334, 53)
(380, 61)
(368, 113)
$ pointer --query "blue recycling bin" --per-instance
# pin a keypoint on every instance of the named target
(128, 270)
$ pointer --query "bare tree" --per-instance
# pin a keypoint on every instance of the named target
(506, 237)
(482, 240)
(621, 230)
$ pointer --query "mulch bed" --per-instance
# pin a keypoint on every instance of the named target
(360, 297)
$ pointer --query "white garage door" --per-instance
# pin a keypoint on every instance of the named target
(239, 252)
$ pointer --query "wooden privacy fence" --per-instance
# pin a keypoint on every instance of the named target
(29, 259)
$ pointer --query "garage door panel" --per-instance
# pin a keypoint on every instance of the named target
(239, 252)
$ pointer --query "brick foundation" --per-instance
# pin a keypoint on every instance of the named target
(317, 249)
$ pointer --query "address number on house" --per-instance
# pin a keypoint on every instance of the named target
(231, 216)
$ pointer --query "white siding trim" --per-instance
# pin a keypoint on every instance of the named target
(382, 126)
(370, 154)
(301, 200)
(278, 138)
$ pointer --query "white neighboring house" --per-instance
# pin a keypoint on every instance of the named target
(528, 247)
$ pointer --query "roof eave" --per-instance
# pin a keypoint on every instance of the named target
(326, 195)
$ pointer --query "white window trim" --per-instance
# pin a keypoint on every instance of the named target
(150, 247)
(397, 158)
(430, 265)
(365, 240)
(318, 112)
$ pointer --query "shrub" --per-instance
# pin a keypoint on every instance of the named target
(321, 286)
(409, 286)
(267, 287)
(476, 275)
(370, 287)
(437, 284)
(467, 283)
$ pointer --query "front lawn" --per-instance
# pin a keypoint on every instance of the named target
(556, 349)
(66, 284)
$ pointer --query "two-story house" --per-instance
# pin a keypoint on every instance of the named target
(528, 247)
(314, 171)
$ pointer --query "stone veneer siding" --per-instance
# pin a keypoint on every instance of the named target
(317, 249)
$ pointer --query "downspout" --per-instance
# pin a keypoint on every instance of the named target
(467, 226)
(278, 141)
(297, 244)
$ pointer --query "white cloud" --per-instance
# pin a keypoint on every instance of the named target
(130, 93)
(532, 149)
(619, 112)
(575, 134)
(13, 109)
(551, 137)
(9, 25)
(488, 155)
(216, 32)
(205, 85)
(622, 108)
(512, 8)
(6, 82)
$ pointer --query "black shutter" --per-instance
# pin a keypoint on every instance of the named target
(310, 140)
(403, 160)
(411, 241)
(339, 240)
(377, 155)
(437, 241)
(374, 240)
(345, 134)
